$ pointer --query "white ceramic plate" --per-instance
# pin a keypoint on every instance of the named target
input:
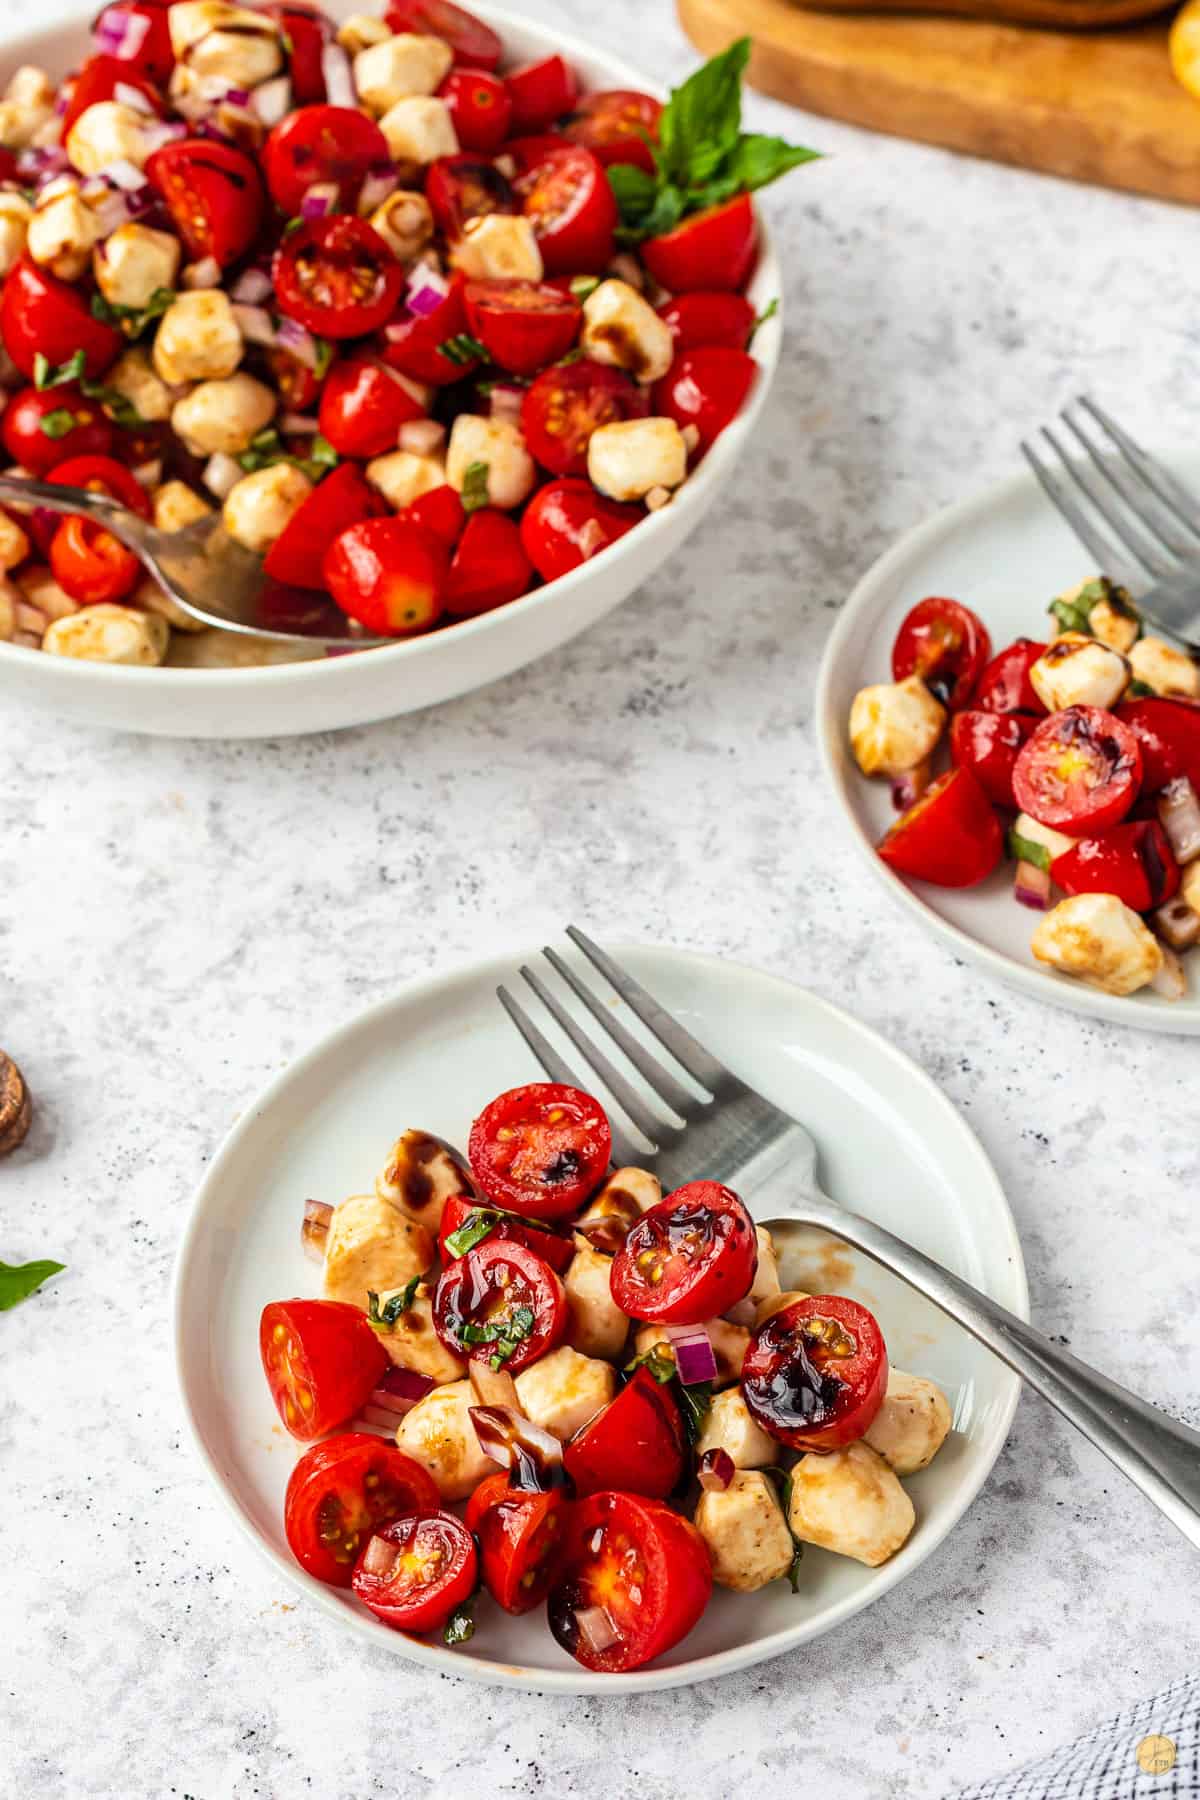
(1005, 553)
(891, 1146)
(334, 692)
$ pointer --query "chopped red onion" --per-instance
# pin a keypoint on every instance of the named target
(127, 95)
(1178, 923)
(314, 1229)
(427, 288)
(149, 474)
(235, 97)
(397, 1393)
(908, 788)
(716, 1470)
(319, 200)
(43, 164)
(292, 337)
(163, 131)
(1031, 886)
(377, 186)
(120, 34)
(1179, 815)
(596, 1628)
(251, 287)
(505, 402)
(694, 1359)
(110, 214)
(203, 274)
(533, 1456)
(379, 1557)
(272, 100)
(1170, 980)
(255, 324)
(299, 424)
(221, 473)
(338, 76)
(421, 437)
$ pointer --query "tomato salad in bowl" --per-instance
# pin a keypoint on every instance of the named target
(1079, 756)
(599, 1403)
(428, 329)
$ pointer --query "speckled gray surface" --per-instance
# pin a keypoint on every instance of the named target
(177, 920)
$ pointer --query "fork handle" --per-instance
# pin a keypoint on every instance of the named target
(1159, 1455)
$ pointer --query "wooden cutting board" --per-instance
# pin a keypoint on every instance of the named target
(1098, 106)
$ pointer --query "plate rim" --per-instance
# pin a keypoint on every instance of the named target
(580, 1681)
(1053, 990)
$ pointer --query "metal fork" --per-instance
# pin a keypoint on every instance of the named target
(215, 580)
(1154, 519)
(730, 1133)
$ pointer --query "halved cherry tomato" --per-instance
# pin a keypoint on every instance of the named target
(389, 575)
(614, 126)
(712, 249)
(459, 188)
(321, 1360)
(90, 564)
(950, 836)
(688, 1259)
(479, 108)
(1134, 861)
(568, 522)
(634, 1568)
(816, 1372)
(322, 145)
(569, 202)
(412, 343)
(417, 1570)
(501, 1304)
(308, 30)
(1004, 686)
(343, 1490)
(461, 1210)
(539, 1150)
(337, 277)
(440, 511)
(705, 388)
(363, 406)
(699, 320)
(475, 45)
(519, 1538)
(491, 1490)
(41, 314)
(565, 405)
(523, 325)
(636, 1443)
(489, 567)
(37, 449)
(345, 497)
(298, 385)
(103, 474)
(947, 645)
(1080, 771)
(526, 153)
(541, 92)
(1168, 734)
(213, 194)
(100, 76)
(987, 743)
(135, 33)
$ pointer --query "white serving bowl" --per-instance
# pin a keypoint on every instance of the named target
(325, 695)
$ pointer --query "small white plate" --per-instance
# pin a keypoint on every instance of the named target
(891, 1146)
(1005, 553)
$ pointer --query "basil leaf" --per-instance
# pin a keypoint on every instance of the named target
(695, 1402)
(46, 376)
(462, 349)
(475, 486)
(1023, 849)
(19, 1280)
(1140, 690)
(460, 1626)
(768, 312)
(784, 1478)
(700, 123)
(119, 408)
(324, 350)
(58, 423)
(755, 161)
(658, 1360)
(583, 285)
(1072, 615)
(322, 453)
(133, 320)
(382, 1318)
(475, 1227)
(634, 190)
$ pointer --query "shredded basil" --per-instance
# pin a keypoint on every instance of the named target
(133, 320)
(460, 1626)
(695, 1403)
(768, 312)
(324, 357)
(1023, 849)
(119, 408)
(475, 486)
(385, 1316)
(266, 448)
(658, 1360)
(45, 375)
(784, 1478)
(58, 423)
(19, 1280)
(1140, 690)
(506, 1334)
(475, 1227)
(572, 356)
(462, 349)
(583, 285)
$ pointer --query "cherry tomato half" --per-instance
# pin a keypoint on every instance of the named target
(415, 1571)
(540, 93)
(950, 836)
(337, 277)
(539, 1150)
(213, 194)
(297, 383)
(464, 187)
(569, 201)
(698, 321)
(1004, 686)
(633, 1568)
(475, 45)
(440, 511)
(688, 1259)
(343, 1490)
(489, 567)
(90, 564)
(479, 108)
(1134, 861)
(321, 1360)
(816, 1372)
(565, 405)
(499, 1304)
(389, 575)
(98, 79)
(987, 743)
(1168, 732)
(1080, 771)
(568, 522)
(525, 153)
(345, 497)
(135, 33)
(614, 126)
(363, 406)
(322, 145)
(523, 325)
(35, 448)
(519, 1539)
(103, 474)
(460, 1210)
(946, 645)
(308, 30)
(636, 1443)
(412, 343)
(705, 388)
(712, 249)
(41, 314)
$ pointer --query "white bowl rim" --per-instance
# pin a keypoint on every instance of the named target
(580, 1681)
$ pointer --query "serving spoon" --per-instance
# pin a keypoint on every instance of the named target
(209, 576)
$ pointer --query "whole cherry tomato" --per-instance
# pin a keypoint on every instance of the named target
(614, 126)
(308, 31)
(337, 277)
(688, 1259)
(569, 201)
(98, 80)
(987, 743)
(950, 836)
(464, 187)
(636, 1443)
(523, 325)
(322, 146)
(414, 343)
(539, 1150)
(345, 497)
(389, 575)
(416, 1571)
(213, 194)
(321, 1360)
(541, 92)
(41, 315)
(568, 522)
(1004, 686)
(565, 405)
(500, 1304)
(363, 406)
(816, 1372)
(1080, 770)
(633, 1579)
(1168, 733)
(519, 1538)
(489, 566)
(947, 645)
(475, 45)
(44, 426)
(136, 33)
(1134, 861)
(341, 1491)
(712, 249)
(476, 1222)
(699, 320)
(479, 108)
(705, 388)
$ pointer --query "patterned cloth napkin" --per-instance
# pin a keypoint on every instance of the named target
(1148, 1753)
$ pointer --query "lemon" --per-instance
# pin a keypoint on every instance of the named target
(1184, 47)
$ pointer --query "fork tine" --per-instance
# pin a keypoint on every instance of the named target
(626, 1151)
(1126, 533)
(1185, 505)
(700, 1064)
(1138, 496)
(672, 1092)
(1108, 560)
(658, 1131)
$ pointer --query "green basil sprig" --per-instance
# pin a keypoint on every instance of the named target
(19, 1280)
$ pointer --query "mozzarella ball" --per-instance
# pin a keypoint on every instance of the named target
(419, 130)
(197, 338)
(597, 1325)
(638, 1185)
(621, 328)
(14, 544)
(106, 133)
(438, 1434)
(359, 30)
(154, 599)
(1076, 670)
(628, 458)
(134, 263)
(176, 506)
(765, 1285)
(1113, 626)
(223, 415)
(111, 634)
(1189, 885)
(232, 42)
(1168, 671)
(61, 233)
(412, 1342)
(912, 1424)
(10, 599)
(776, 1302)
(400, 67)
(850, 1502)
(1096, 938)
(261, 506)
(562, 1391)
(498, 247)
(511, 474)
(402, 477)
(420, 1175)
(1056, 842)
(405, 223)
(371, 1247)
(27, 107)
(39, 587)
(15, 214)
(746, 1533)
(730, 1427)
(132, 376)
(894, 726)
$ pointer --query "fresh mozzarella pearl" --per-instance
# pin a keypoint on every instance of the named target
(912, 1424)
(730, 1427)
(420, 1175)
(61, 233)
(223, 415)
(27, 107)
(260, 507)
(405, 223)
(628, 458)
(176, 506)
(597, 1326)
(15, 214)
(1098, 939)
(1076, 670)
(134, 263)
(438, 1434)
(359, 30)
(111, 634)
(402, 477)
(233, 43)
(419, 130)
(14, 545)
(106, 133)
(372, 1248)
(561, 1391)
(511, 474)
(399, 68)
(894, 726)
(850, 1502)
(413, 1343)
(498, 247)
(746, 1533)
(197, 338)
(621, 328)
(1167, 670)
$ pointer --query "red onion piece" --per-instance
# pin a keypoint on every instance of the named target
(1031, 886)
(203, 274)
(1177, 923)
(505, 402)
(421, 437)
(376, 187)
(379, 1557)
(319, 200)
(715, 1470)
(694, 1359)
(272, 100)
(1170, 980)
(255, 324)
(338, 76)
(292, 337)
(120, 34)
(533, 1456)
(397, 1394)
(299, 424)
(1179, 815)
(427, 288)
(221, 473)
(596, 1628)
(314, 1229)
(908, 788)
(127, 95)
